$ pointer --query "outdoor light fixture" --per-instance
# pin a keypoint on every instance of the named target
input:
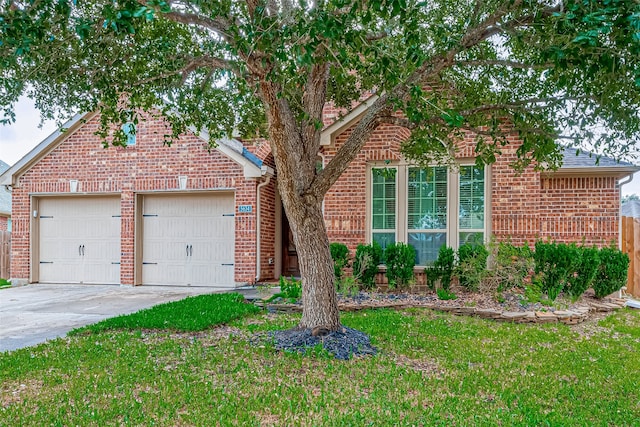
(73, 186)
(182, 182)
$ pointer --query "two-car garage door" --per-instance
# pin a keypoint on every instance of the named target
(188, 239)
(185, 239)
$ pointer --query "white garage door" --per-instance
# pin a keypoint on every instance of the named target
(188, 240)
(79, 240)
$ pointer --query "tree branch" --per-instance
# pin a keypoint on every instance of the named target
(218, 25)
(504, 62)
(424, 73)
(194, 64)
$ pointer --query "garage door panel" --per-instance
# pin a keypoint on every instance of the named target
(79, 240)
(187, 239)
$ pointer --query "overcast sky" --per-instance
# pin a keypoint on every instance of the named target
(19, 138)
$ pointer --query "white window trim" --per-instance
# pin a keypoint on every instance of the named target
(370, 202)
(453, 201)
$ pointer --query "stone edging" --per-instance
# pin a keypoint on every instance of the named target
(569, 317)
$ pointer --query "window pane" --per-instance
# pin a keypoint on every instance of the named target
(129, 130)
(384, 239)
(471, 215)
(427, 198)
(427, 246)
(383, 203)
(472, 238)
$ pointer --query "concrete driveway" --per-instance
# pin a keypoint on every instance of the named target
(32, 314)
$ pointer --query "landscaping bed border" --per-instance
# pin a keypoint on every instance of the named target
(571, 316)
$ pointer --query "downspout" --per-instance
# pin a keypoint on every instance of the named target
(268, 172)
(620, 184)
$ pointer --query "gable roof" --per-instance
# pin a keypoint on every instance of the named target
(231, 148)
(5, 195)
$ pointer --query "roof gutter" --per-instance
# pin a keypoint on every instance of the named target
(619, 172)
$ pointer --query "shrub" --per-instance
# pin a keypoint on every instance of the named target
(511, 266)
(582, 278)
(442, 269)
(400, 259)
(340, 256)
(347, 286)
(472, 266)
(555, 262)
(445, 294)
(366, 262)
(290, 288)
(612, 272)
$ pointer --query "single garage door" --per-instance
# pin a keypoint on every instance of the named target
(79, 240)
(188, 240)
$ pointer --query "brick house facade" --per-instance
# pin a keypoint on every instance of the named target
(426, 208)
(580, 202)
(144, 168)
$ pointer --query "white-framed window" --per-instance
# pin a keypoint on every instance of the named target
(384, 205)
(129, 130)
(427, 207)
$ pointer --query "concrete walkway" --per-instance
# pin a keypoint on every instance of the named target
(33, 314)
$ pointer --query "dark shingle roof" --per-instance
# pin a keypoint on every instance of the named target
(586, 159)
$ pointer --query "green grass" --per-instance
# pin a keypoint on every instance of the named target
(432, 369)
(4, 283)
(191, 314)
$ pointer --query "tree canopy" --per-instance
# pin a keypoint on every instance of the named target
(563, 71)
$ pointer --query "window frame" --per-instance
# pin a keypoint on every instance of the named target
(370, 228)
(402, 202)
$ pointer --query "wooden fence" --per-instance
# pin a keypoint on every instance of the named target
(631, 245)
(5, 254)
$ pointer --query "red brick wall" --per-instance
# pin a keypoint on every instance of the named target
(147, 166)
(577, 208)
(4, 223)
(524, 206)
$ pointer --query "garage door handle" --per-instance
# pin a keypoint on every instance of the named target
(190, 250)
(82, 250)
(79, 250)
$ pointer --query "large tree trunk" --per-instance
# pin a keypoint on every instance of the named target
(319, 299)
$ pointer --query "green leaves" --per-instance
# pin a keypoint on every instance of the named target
(573, 69)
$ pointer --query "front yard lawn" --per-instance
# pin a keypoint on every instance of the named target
(432, 369)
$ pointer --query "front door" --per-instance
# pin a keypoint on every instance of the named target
(290, 267)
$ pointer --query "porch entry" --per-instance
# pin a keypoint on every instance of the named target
(290, 265)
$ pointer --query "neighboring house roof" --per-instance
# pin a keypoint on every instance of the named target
(5, 195)
(631, 208)
(231, 148)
